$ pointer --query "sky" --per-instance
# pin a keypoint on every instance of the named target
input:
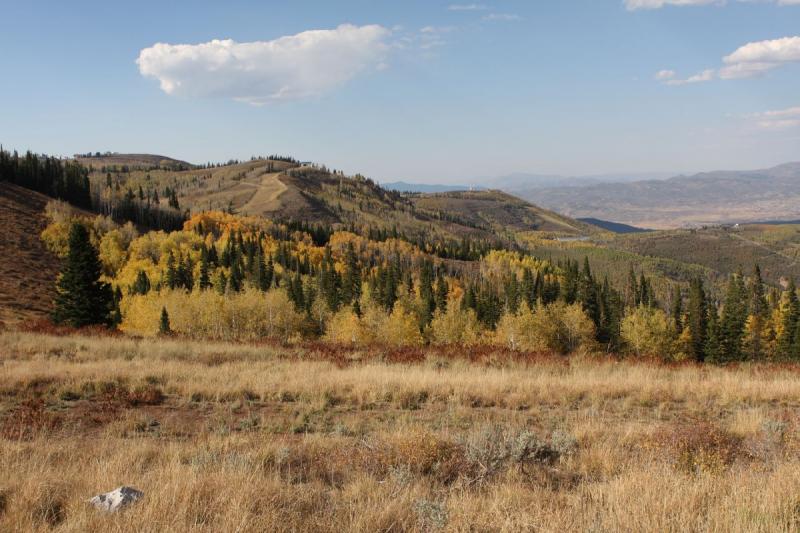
(416, 90)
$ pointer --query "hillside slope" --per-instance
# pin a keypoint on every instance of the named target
(702, 199)
(287, 191)
(27, 269)
(133, 161)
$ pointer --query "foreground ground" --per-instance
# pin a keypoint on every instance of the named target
(266, 438)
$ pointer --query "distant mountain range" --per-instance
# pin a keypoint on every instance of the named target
(402, 186)
(520, 182)
(708, 198)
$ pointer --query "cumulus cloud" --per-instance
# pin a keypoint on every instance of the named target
(754, 59)
(748, 61)
(304, 65)
(778, 120)
(634, 5)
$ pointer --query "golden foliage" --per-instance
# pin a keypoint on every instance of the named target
(647, 332)
(248, 315)
(455, 326)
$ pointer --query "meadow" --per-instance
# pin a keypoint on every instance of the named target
(315, 437)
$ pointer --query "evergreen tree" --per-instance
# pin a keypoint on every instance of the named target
(426, 292)
(758, 316)
(116, 312)
(587, 293)
(163, 323)
(82, 299)
(351, 281)
(441, 294)
(677, 309)
(697, 314)
(142, 283)
(732, 322)
(632, 294)
(791, 317)
(171, 276)
(713, 346)
(205, 276)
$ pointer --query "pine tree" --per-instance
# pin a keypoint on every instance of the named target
(142, 283)
(82, 299)
(116, 313)
(758, 316)
(171, 276)
(163, 323)
(791, 318)
(632, 294)
(351, 281)
(697, 318)
(587, 293)
(732, 322)
(205, 276)
(712, 347)
(441, 294)
(677, 309)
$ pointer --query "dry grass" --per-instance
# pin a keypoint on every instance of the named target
(225, 437)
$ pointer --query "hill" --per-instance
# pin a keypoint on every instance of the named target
(131, 161)
(776, 248)
(288, 191)
(685, 201)
(27, 268)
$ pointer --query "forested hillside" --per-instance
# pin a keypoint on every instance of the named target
(345, 261)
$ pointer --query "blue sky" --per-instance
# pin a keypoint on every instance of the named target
(416, 90)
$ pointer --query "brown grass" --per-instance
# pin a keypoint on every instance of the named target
(225, 437)
(27, 269)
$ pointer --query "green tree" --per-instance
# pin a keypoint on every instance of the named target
(677, 309)
(759, 314)
(163, 323)
(142, 283)
(791, 318)
(732, 322)
(697, 318)
(82, 299)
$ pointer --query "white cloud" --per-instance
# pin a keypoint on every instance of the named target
(635, 5)
(502, 17)
(748, 61)
(664, 75)
(754, 59)
(778, 120)
(296, 66)
(467, 7)
(706, 75)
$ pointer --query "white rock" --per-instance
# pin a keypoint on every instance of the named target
(116, 499)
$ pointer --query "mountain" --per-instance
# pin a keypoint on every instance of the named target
(520, 182)
(402, 186)
(709, 198)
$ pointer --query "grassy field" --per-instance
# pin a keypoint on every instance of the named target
(225, 437)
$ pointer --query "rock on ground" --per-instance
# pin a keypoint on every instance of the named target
(116, 499)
